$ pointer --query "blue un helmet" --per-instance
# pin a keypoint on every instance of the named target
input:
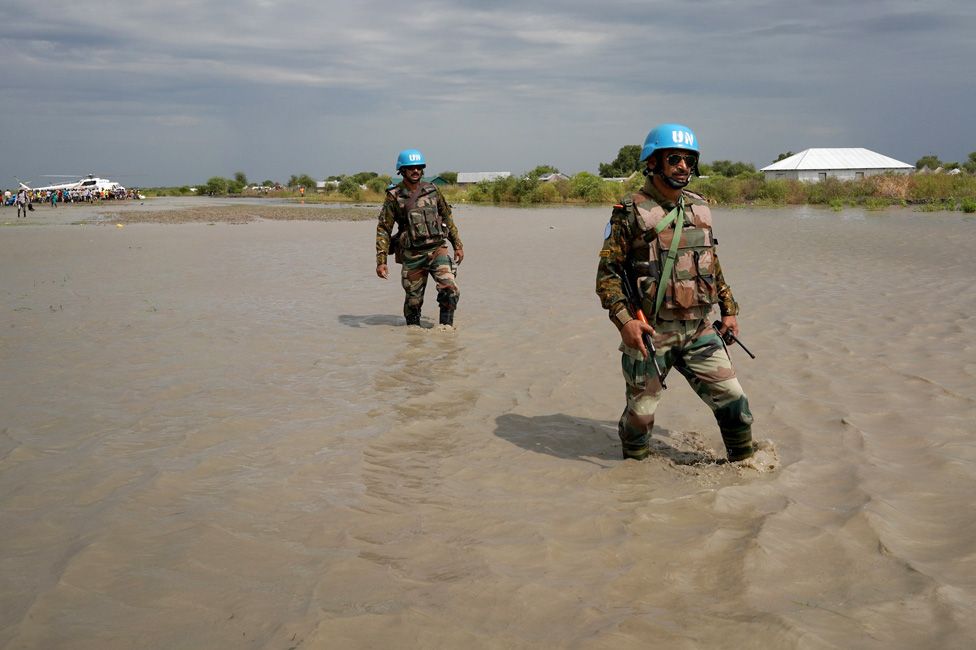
(409, 158)
(670, 136)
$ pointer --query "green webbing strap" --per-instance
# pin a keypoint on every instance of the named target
(678, 217)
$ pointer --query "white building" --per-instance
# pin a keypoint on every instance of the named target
(552, 178)
(814, 165)
(470, 178)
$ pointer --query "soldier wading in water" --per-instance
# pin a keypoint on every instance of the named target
(424, 225)
(659, 240)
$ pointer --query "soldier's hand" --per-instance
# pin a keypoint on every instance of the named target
(729, 324)
(632, 334)
(382, 271)
(458, 255)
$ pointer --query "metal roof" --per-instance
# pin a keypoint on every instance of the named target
(474, 177)
(850, 158)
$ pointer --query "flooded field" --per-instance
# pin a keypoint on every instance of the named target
(222, 435)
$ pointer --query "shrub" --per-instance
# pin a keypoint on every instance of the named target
(377, 185)
(876, 203)
(544, 193)
(826, 192)
(889, 186)
(774, 191)
(216, 186)
(350, 188)
(720, 189)
(592, 189)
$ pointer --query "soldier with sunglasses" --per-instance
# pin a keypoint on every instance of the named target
(659, 277)
(424, 226)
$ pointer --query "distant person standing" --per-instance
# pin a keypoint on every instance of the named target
(21, 202)
(424, 226)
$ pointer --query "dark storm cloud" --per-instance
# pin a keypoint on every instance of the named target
(277, 87)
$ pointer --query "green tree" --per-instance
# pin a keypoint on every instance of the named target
(241, 178)
(362, 177)
(377, 184)
(268, 183)
(302, 180)
(730, 169)
(235, 187)
(970, 165)
(784, 156)
(349, 187)
(931, 161)
(625, 164)
(450, 177)
(216, 186)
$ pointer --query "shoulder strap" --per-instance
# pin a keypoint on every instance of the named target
(678, 217)
(412, 198)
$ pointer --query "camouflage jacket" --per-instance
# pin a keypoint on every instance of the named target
(423, 221)
(618, 255)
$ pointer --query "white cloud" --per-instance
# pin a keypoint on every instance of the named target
(563, 82)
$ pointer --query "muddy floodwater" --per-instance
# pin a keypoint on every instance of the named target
(220, 434)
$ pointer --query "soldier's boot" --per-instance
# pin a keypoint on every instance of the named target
(636, 453)
(635, 444)
(412, 314)
(735, 423)
(447, 316)
(448, 302)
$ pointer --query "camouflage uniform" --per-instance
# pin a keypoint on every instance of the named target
(685, 339)
(424, 224)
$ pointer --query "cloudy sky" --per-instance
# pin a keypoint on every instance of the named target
(165, 93)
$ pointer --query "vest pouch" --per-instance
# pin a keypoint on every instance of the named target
(424, 225)
(685, 293)
(648, 289)
(707, 291)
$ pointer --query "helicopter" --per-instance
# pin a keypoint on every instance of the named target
(89, 182)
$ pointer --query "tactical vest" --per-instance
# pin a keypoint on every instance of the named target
(419, 221)
(691, 290)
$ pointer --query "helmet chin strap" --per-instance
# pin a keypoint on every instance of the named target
(667, 179)
(673, 183)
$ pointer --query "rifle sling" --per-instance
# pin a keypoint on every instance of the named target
(676, 216)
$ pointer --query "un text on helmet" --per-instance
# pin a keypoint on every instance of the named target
(683, 137)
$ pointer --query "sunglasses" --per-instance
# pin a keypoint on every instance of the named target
(414, 168)
(690, 159)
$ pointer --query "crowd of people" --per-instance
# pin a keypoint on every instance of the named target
(24, 199)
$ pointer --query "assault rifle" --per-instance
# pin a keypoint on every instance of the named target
(634, 299)
(731, 338)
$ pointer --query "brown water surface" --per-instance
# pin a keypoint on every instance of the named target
(222, 436)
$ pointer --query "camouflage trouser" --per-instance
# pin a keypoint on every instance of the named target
(695, 350)
(417, 265)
